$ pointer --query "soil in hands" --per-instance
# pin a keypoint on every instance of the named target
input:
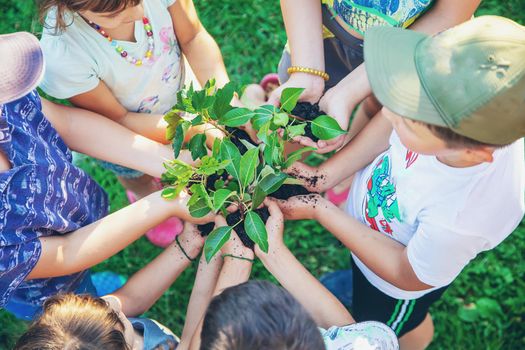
(286, 191)
(308, 111)
(235, 217)
(206, 229)
(239, 135)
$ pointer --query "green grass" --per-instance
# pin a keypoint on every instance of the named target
(484, 307)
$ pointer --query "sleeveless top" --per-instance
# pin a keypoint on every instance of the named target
(43, 194)
(359, 15)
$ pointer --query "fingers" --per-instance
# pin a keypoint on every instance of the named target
(220, 221)
(305, 141)
(273, 208)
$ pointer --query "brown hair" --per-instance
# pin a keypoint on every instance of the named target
(79, 322)
(454, 140)
(65, 6)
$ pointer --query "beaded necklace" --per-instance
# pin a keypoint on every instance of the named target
(123, 53)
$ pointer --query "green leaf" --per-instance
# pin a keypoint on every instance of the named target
(178, 138)
(296, 155)
(223, 98)
(201, 190)
(247, 144)
(266, 171)
(270, 148)
(197, 120)
(216, 239)
(258, 196)
(193, 199)
(230, 152)
(326, 128)
(199, 209)
(488, 308)
(220, 196)
(289, 98)
(236, 117)
(272, 182)
(210, 165)
(280, 119)
(201, 101)
(296, 130)
(249, 162)
(215, 150)
(256, 230)
(173, 117)
(197, 146)
(209, 87)
(169, 193)
(468, 313)
(263, 115)
(263, 132)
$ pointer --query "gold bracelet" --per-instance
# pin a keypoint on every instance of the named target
(296, 69)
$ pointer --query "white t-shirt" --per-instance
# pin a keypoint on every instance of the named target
(78, 58)
(445, 216)
(369, 335)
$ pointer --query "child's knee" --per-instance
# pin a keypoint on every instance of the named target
(420, 337)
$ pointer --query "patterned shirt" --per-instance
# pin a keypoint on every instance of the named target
(43, 194)
(359, 15)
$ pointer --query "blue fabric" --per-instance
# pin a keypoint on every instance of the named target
(154, 336)
(340, 284)
(27, 311)
(43, 194)
(119, 170)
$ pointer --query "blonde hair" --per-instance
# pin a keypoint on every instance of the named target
(79, 322)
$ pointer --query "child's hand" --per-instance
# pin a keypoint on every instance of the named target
(304, 207)
(275, 229)
(234, 245)
(313, 85)
(313, 179)
(190, 240)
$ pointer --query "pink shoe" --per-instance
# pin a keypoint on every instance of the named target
(337, 198)
(270, 82)
(164, 233)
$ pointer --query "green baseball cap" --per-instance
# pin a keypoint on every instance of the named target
(470, 78)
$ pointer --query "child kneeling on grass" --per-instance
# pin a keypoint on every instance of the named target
(258, 315)
(447, 185)
(53, 223)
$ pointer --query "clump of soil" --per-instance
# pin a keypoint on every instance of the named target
(308, 111)
(206, 229)
(235, 217)
(239, 135)
(210, 181)
(287, 191)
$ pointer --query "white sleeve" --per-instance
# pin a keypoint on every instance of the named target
(437, 254)
(69, 70)
(168, 3)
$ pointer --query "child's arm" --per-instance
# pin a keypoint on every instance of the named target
(358, 153)
(324, 307)
(94, 243)
(384, 256)
(201, 294)
(234, 271)
(199, 47)
(96, 136)
(304, 29)
(147, 285)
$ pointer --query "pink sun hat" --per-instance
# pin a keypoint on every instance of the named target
(21, 65)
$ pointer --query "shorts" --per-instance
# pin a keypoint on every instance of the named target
(370, 304)
(342, 53)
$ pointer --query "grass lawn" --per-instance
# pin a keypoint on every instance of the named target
(483, 309)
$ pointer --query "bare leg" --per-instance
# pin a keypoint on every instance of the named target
(140, 186)
(420, 337)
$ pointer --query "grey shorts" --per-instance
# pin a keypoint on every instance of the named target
(342, 53)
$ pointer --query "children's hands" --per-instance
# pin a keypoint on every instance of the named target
(302, 207)
(191, 240)
(275, 229)
(313, 85)
(180, 209)
(313, 179)
(234, 245)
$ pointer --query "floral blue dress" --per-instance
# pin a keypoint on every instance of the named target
(43, 194)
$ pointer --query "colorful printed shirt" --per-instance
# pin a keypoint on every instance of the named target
(359, 15)
(369, 335)
(80, 57)
(445, 216)
(43, 194)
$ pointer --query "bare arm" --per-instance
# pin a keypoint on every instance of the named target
(94, 243)
(146, 286)
(199, 47)
(324, 307)
(99, 137)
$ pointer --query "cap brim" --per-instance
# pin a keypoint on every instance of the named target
(21, 65)
(391, 68)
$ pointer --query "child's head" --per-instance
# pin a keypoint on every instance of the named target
(72, 321)
(463, 89)
(106, 13)
(258, 315)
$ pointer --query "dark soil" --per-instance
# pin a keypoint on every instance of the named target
(308, 111)
(238, 135)
(235, 217)
(287, 191)
(210, 181)
(206, 229)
